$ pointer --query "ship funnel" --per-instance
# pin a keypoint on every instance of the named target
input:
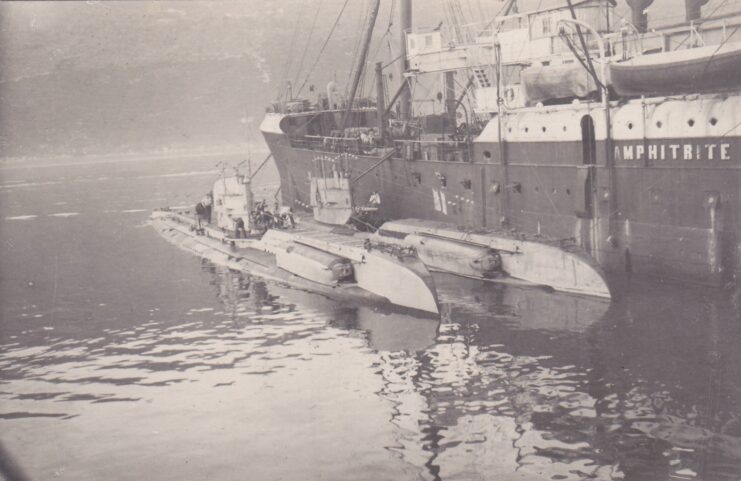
(693, 9)
(639, 16)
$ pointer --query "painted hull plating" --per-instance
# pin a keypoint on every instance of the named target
(667, 207)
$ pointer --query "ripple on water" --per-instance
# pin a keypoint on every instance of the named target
(64, 214)
(474, 397)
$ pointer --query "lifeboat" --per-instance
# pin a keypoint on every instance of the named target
(714, 67)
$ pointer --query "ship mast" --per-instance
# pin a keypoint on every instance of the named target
(380, 103)
(405, 101)
(361, 61)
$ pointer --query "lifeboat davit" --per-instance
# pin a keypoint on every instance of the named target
(699, 69)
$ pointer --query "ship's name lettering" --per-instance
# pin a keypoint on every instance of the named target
(695, 151)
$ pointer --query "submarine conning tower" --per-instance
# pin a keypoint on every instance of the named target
(232, 199)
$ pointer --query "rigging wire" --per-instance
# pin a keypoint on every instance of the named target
(480, 8)
(586, 62)
(707, 64)
(504, 11)
(689, 34)
(456, 21)
(583, 42)
(308, 41)
(392, 13)
(731, 130)
(379, 45)
(356, 49)
(386, 33)
(717, 8)
(289, 58)
(394, 60)
(321, 50)
(710, 15)
(524, 44)
(466, 93)
(590, 70)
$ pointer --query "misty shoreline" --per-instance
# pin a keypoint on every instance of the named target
(68, 160)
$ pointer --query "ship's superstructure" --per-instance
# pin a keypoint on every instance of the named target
(577, 126)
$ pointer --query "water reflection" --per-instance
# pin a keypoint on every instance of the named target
(521, 383)
(520, 387)
(512, 383)
(530, 309)
(383, 328)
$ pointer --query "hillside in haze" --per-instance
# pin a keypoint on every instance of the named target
(92, 78)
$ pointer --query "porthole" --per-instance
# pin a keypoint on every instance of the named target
(630, 125)
(509, 129)
(526, 129)
(564, 128)
(691, 122)
(543, 128)
(568, 191)
(713, 121)
(659, 124)
(487, 155)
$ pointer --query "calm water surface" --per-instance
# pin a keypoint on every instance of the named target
(124, 358)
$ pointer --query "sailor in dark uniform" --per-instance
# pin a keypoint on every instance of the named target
(203, 211)
(207, 203)
(239, 231)
(200, 213)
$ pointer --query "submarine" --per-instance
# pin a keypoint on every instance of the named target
(242, 234)
(396, 265)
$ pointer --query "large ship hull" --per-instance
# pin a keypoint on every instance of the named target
(653, 199)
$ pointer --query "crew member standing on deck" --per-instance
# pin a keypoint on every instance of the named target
(239, 231)
(200, 210)
(207, 203)
(203, 211)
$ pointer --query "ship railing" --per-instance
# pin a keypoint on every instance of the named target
(433, 150)
(627, 42)
(292, 106)
(320, 143)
